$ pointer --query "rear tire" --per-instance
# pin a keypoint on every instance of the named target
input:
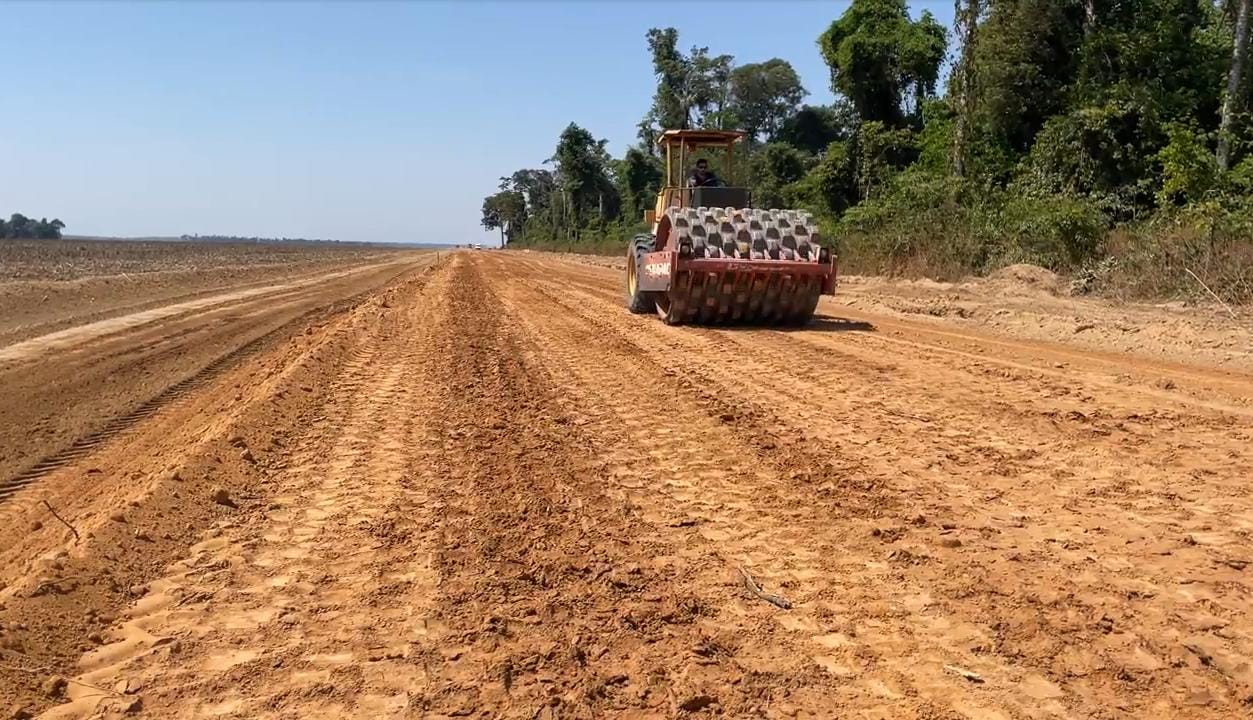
(638, 301)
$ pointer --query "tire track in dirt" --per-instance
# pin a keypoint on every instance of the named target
(84, 444)
(299, 609)
(542, 599)
(141, 498)
(1003, 517)
(720, 481)
(552, 601)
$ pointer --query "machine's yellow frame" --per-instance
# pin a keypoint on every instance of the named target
(681, 143)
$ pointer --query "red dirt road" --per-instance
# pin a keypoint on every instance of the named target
(481, 488)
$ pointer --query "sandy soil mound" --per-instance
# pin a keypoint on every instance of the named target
(1032, 276)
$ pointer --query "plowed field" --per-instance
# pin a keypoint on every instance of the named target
(475, 486)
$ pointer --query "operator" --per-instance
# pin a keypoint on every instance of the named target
(702, 176)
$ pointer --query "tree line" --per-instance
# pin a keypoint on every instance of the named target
(1110, 139)
(20, 227)
(248, 239)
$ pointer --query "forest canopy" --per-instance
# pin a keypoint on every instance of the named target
(1108, 140)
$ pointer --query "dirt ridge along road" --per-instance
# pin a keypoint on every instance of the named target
(35, 307)
(64, 392)
(511, 498)
(77, 335)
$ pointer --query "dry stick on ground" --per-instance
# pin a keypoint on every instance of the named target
(970, 675)
(63, 521)
(1213, 295)
(42, 669)
(755, 589)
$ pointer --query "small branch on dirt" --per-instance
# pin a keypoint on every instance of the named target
(29, 671)
(45, 670)
(907, 416)
(1213, 295)
(63, 521)
(755, 589)
(970, 675)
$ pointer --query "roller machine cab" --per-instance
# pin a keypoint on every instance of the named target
(712, 258)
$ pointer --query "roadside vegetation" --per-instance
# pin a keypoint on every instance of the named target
(1112, 142)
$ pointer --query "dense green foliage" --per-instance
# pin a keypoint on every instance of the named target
(1109, 140)
(18, 226)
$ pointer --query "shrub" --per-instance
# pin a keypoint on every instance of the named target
(1058, 232)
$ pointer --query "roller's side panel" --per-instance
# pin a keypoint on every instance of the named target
(828, 284)
(657, 271)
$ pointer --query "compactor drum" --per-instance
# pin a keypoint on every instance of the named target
(712, 258)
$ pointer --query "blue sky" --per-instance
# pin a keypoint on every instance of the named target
(382, 121)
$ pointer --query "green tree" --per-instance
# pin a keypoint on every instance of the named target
(19, 226)
(1152, 53)
(765, 95)
(885, 63)
(671, 104)
(639, 177)
(536, 186)
(1235, 81)
(710, 89)
(880, 151)
(830, 186)
(506, 211)
(582, 175)
(774, 168)
(1189, 170)
(692, 90)
(491, 217)
(44, 230)
(1025, 59)
(814, 127)
(963, 88)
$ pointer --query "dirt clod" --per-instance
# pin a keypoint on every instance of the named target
(696, 703)
(220, 496)
(54, 686)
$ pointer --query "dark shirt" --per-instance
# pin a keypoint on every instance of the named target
(710, 180)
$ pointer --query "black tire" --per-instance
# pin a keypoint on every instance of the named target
(638, 301)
